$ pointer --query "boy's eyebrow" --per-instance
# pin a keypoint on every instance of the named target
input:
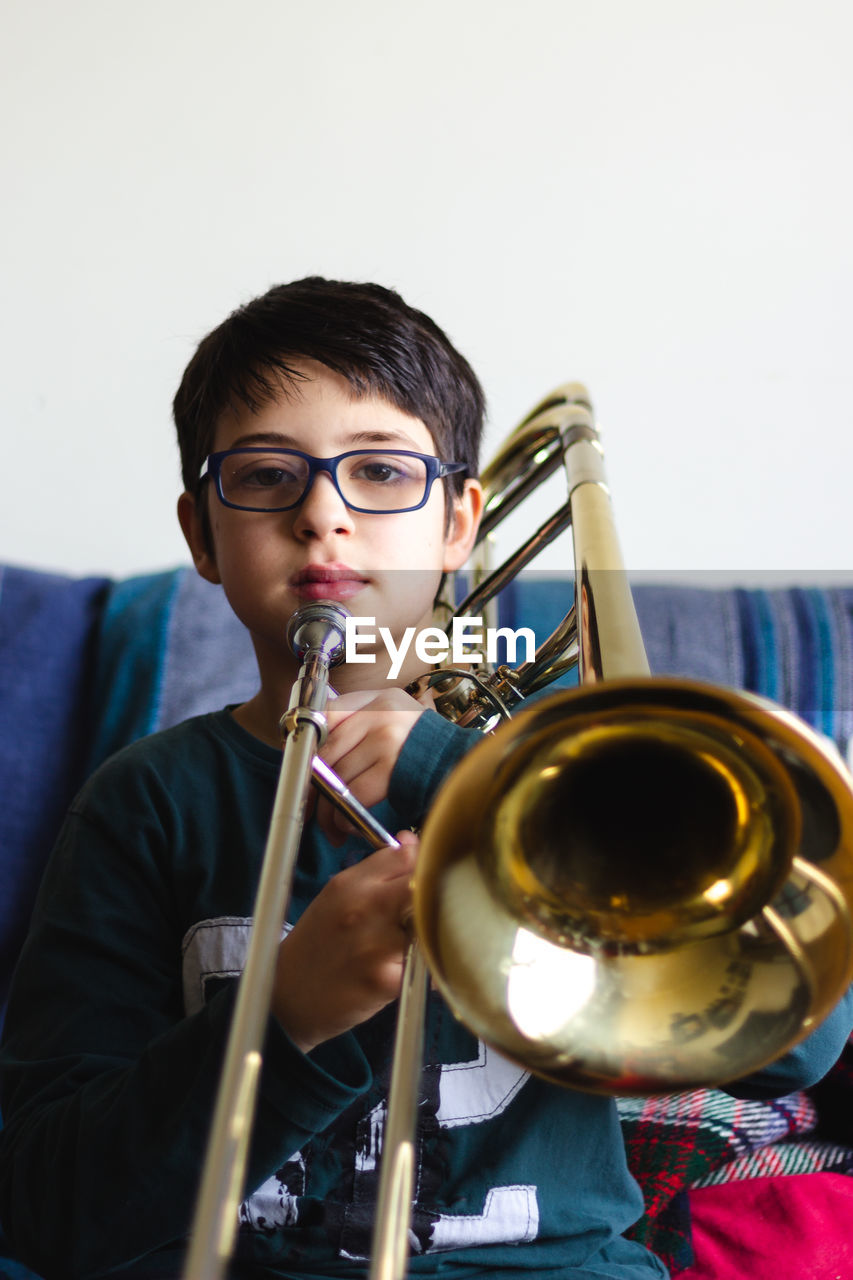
(280, 440)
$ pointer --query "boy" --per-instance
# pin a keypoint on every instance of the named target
(312, 425)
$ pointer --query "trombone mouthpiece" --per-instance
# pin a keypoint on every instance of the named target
(320, 626)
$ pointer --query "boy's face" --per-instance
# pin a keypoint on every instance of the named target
(385, 567)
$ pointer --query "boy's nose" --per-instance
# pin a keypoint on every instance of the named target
(322, 511)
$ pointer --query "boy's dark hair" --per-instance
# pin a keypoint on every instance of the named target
(364, 332)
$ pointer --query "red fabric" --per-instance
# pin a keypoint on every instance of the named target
(798, 1227)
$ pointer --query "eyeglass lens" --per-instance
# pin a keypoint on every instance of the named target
(371, 481)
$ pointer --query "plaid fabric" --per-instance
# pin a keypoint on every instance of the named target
(706, 1137)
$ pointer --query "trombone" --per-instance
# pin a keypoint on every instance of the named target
(637, 886)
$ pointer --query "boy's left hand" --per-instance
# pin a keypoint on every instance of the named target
(366, 732)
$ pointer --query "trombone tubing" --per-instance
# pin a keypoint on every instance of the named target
(215, 1222)
(611, 644)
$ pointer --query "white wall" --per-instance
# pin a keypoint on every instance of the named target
(653, 198)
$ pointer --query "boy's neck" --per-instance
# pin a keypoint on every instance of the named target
(254, 717)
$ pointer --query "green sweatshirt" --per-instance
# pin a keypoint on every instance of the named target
(116, 1030)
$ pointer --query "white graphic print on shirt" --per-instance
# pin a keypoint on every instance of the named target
(467, 1093)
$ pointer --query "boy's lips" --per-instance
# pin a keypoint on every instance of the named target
(327, 582)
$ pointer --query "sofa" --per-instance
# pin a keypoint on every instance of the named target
(89, 664)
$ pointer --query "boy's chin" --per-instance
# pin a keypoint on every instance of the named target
(351, 677)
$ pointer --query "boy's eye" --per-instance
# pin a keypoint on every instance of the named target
(383, 481)
(263, 473)
(261, 481)
(381, 471)
(376, 472)
(266, 477)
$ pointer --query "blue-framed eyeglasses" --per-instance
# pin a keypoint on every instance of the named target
(372, 481)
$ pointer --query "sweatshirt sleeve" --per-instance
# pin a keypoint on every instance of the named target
(806, 1063)
(108, 1089)
(434, 746)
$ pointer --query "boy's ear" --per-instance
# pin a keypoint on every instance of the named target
(192, 527)
(464, 521)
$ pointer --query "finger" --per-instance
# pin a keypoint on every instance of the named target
(345, 736)
(346, 704)
(367, 779)
(332, 822)
(393, 906)
(410, 843)
(364, 741)
(342, 739)
(391, 863)
(378, 702)
(336, 823)
(367, 772)
(425, 696)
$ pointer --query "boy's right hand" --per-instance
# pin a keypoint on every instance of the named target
(343, 959)
(367, 730)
